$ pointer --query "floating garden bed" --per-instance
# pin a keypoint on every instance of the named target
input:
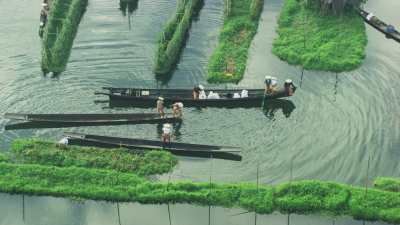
(60, 32)
(302, 197)
(319, 41)
(173, 38)
(228, 62)
(31, 151)
(387, 184)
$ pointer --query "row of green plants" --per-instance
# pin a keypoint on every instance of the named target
(173, 38)
(318, 41)
(301, 197)
(33, 151)
(387, 184)
(60, 32)
(228, 62)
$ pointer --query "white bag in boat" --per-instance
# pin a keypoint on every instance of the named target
(245, 94)
(213, 95)
(202, 95)
(236, 95)
(145, 93)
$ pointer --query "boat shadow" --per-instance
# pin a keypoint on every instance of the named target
(272, 106)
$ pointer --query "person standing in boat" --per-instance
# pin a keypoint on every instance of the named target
(289, 87)
(271, 85)
(268, 85)
(160, 106)
(166, 135)
(202, 93)
(196, 92)
(177, 109)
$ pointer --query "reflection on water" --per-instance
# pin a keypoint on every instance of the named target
(18, 210)
(272, 106)
(128, 6)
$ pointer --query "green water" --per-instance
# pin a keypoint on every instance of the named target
(339, 121)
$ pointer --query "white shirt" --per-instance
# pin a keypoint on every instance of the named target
(369, 16)
(166, 130)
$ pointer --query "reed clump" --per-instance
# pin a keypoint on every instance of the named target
(228, 62)
(32, 151)
(173, 38)
(60, 32)
(318, 41)
(301, 197)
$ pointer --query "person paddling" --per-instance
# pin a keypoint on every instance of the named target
(196, 92)
(177, 109)
(289, 87)
(160, 106)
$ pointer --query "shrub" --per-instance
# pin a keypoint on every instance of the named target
(375, 205)
(311, 196)
(46, 153)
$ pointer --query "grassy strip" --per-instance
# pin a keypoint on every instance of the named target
(320, 42)
(60, 32)
(31, 151)
(301, 197)
(173, 38)
(387, 184)
(228, 62)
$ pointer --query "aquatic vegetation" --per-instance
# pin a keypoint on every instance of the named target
(387, 184)
(60, 32)
(32, 151)
(3, 158)
(302, 197)
(320, 42)
(228, 62)
(173, 38)
(334, 6)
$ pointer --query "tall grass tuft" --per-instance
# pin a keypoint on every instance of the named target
(173, 38)
(228, 62)
(320, 42)
(60, 32)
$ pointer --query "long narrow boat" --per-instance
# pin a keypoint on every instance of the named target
(181, 149)
(379, 25)
(70, 120)
(227, 97)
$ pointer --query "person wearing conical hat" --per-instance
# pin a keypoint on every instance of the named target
(160, 106)
(177, 109)
(289, 87)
